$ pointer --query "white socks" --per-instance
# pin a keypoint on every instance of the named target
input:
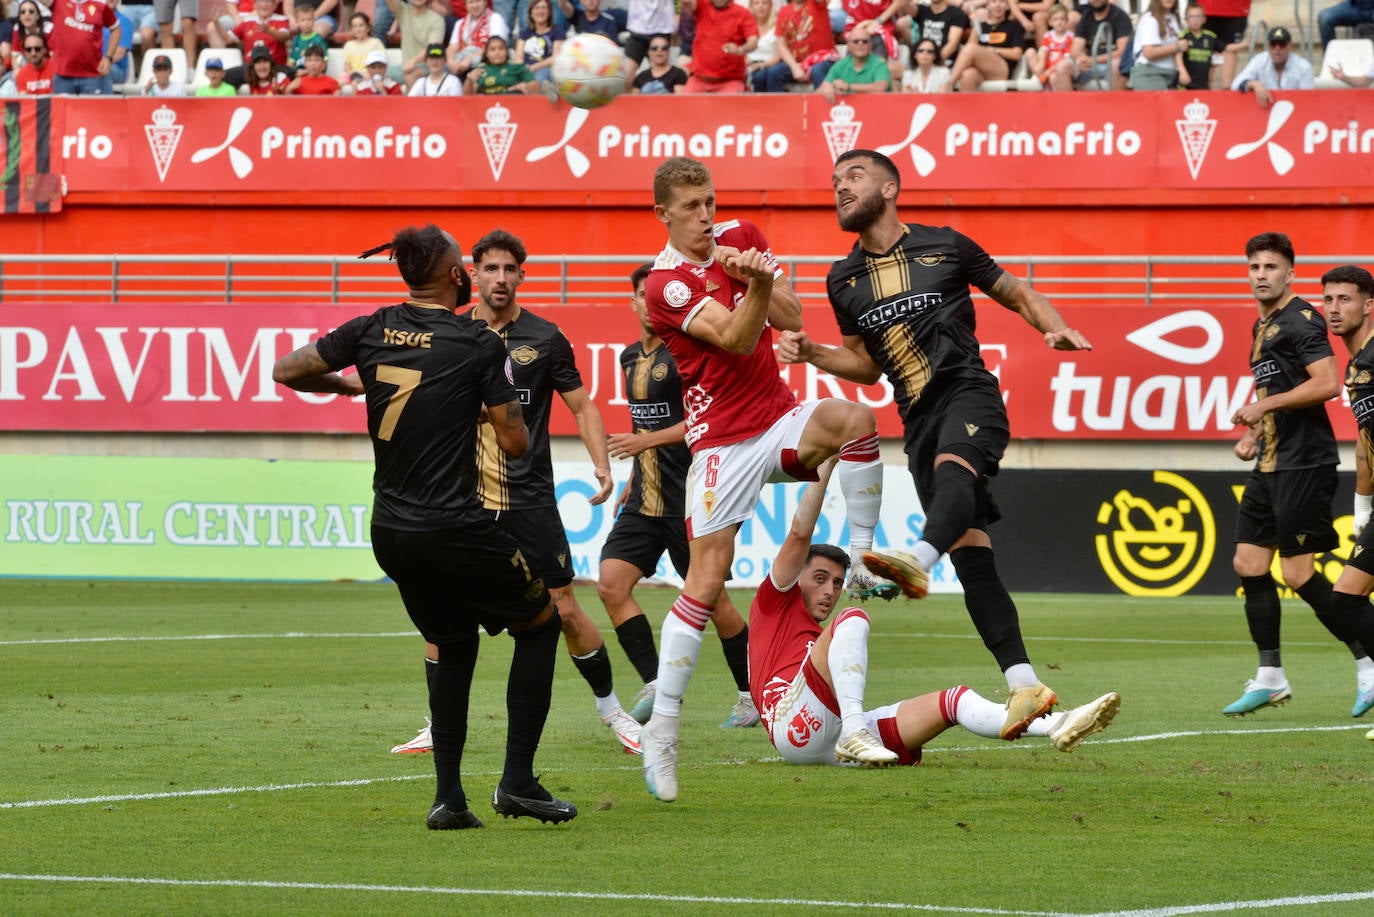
(679, 645)
(848, 661)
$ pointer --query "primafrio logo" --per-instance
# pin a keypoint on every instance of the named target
(921, 160)
(1279, 157)
(578, 164)
(240, 161)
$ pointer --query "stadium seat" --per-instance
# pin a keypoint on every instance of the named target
(334, 64)
(180, 71)
(1022, 80)
(230, 57)
(1353, 54)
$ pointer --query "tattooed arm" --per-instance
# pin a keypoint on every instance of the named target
(305, 371)
(1018, 296)
(508, 420)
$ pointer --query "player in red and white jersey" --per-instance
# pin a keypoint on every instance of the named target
(808, 678)
(712, 296)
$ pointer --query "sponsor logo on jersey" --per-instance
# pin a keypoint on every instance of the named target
(801, 727)
(524, 355)
(676, 293)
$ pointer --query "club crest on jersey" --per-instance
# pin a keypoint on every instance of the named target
(659, 372)
(708, 500)
(676, 293)
(1271, 332)
(524, 355)
(930, 260)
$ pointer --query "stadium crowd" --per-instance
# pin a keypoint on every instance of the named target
(453, 47)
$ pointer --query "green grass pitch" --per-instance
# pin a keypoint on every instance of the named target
(215, 748)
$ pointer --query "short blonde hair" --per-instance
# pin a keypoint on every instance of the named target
(678, 172)
(1056, 8)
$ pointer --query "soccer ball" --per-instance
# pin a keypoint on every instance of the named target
(589, 71)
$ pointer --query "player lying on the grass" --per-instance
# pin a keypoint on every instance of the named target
(808, 680)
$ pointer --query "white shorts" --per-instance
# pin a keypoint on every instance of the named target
(724, 482)
(804, 730)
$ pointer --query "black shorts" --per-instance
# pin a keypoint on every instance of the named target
(637, 46)
(1290, 509)
(641, 540)
(1229, 30)
(970, 421)
(1362, 554)
(542, 541)
(453, 580)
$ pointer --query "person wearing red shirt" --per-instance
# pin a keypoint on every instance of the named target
(377, 82)
(725, 33)
(714, 296)
(1229, 20)
(312, 80)
(80, 63)
(35, 77)
(805, 49)
(266, 27)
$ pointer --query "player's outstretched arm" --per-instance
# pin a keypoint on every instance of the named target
(851, 360)
(593, 434)
(508, 422)
(791, 559)
(305, 371)
(1017, 295)
(628, 445)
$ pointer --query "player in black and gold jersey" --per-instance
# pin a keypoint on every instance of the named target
(901, 298)
(1286, 507)
(651, 517)
(427, 374)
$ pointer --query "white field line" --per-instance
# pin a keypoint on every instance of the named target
(989, 746)
(1268, 904)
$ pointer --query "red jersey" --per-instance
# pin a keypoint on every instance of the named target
(316, 85)
(781, 632)
(1054, 49)
(77, 39)
(252, 33)
(389, 87)
(275, 86)
(805, 28)
(35, 82)
(717, 27)
(727, 397)
(1235, 8)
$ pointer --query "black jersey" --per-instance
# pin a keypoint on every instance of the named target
(426, 373)
(912, 308)
(1359, 385)
(654, 390)
(1284, 344)
(542, 363)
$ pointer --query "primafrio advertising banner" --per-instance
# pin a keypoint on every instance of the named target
(1180, 140)
(1163, 373)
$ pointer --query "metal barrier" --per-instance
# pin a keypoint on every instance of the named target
(1144, 280)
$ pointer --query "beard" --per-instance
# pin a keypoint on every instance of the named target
(863, 214)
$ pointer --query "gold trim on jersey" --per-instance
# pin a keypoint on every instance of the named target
(1269, 458)
(650, 482)
(889, 275)
(1366, 443)
(909, 362)
(639, 377)
(491, 470)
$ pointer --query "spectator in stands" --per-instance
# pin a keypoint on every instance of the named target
(942, 22)
(1034, 18)
(878, 20)
(470, 34)
(438, 81)
(497, 74)
(1202, 52)
(8, 88)
(805, 49)
(217, 87)
(1099, 41)
(992, 51)
(166, 11)
(35, 77)
(647, 19)
(326, 19)
(723, 34)
(262, 77)
(120, 55)
(660, 77)
(421, 25)
(1347, 13)
(926, 75)
(858, 71)
(590, 18)
(265, 28)
(162, 85)
(1337, 72)
(378, 83)
(1159, 47)
(81, 66)
(1055, 45)
(357, 48)
(540, 40)
(1279, 69)
(29, 20)
(311, 80)
(1229, 20)
(305, 35)
(766, 21)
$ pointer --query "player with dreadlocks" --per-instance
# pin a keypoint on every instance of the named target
(427, 375)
